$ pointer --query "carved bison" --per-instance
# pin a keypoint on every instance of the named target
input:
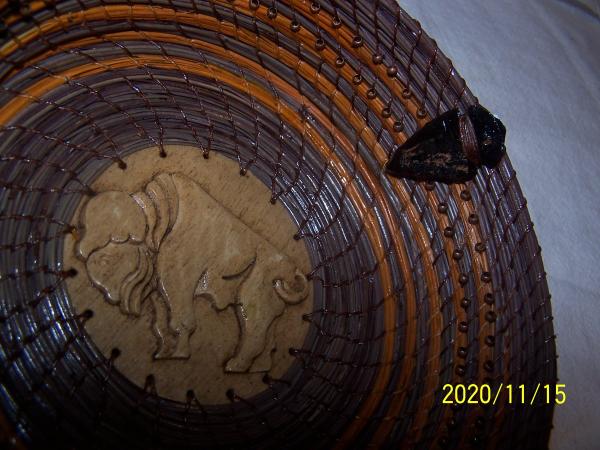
(173, 242)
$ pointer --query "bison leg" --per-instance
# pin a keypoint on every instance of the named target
(178, 291)
(160, 327)
(257, 307)
(264, 361)
(252, 343)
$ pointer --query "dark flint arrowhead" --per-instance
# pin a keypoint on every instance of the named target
(451, 147)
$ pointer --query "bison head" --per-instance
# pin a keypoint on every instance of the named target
(111, 216)
(117, 260)
(122, 272)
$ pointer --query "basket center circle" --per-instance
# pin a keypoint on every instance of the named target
(191, 273)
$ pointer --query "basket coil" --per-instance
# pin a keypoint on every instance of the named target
(416, 285)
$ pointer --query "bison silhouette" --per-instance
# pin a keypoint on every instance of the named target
(172, 243)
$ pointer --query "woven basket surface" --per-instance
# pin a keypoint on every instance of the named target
(416, 285)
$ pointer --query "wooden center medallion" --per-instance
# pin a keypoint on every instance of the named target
(191, 273)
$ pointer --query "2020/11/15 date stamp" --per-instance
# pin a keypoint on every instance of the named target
(486, 394)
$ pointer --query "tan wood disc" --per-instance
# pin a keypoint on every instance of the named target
(191, 273)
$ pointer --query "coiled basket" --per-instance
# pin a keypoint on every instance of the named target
(416, 285)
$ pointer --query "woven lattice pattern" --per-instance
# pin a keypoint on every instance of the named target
(415, 285)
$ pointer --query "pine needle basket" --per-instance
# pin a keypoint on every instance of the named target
(416, 285)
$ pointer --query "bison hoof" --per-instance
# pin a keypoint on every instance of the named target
(171, 355)
(162, 354)
(168, 352)
(262, 363)
(237, 365)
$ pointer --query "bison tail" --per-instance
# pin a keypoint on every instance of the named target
(292, 295)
